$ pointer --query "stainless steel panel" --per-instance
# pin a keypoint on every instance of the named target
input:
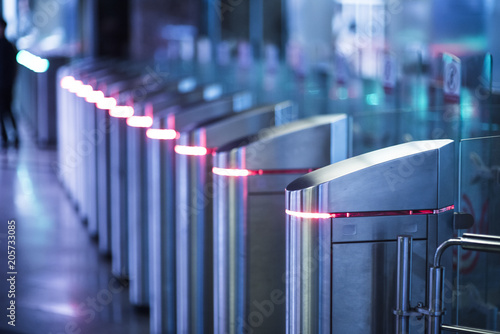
(363, 255)
(265, 259)
(402, 177)
(249, 269)
(209, 110)
(138, 193)
(226, 250)
(164, 242)
(303, 144)
(363, 286)
(162, 238)
(250, 265)
(90, 141)
(308, 290)
(194, 244)
(119, 227)
(137, 206)
(194, 215)
(103, 168)
(361, 229)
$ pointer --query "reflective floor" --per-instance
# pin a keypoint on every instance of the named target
(63, 285)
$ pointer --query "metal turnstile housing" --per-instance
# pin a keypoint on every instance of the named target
(342, 227)
(250, 177)
(167, 122)
(194, 201)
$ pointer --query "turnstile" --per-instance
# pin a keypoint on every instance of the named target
(167, 123)
(343, 222)
(249, 217)
(194, 201)
(92, 132)
(175, 92)
(119, 181)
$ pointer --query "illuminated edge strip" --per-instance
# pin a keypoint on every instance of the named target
(140, 121)
(309, 215)
(95, 97)
(247, 172)
(162, 134)
(231, 171)
(67, 81)
(75, 85)
(312, 215)
(32, 62)
(121, 112)
(106, 103)
(84, 90)
(191, 150)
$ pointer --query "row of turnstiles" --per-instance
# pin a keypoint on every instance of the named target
(222, 214)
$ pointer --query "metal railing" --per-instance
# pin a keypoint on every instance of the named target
(434, 311)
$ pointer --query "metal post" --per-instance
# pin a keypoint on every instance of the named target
(436, 309)
(403, 285)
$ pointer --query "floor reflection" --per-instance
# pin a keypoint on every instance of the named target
(63, 285)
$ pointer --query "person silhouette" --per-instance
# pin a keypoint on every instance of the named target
(8, 71)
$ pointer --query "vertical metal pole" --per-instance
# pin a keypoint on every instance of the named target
(434, 318)
(403, 284)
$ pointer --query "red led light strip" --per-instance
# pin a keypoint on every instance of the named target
(312, 215)
(247, 172)
(140, 121)
(191, 150)
(162, 134)
(67, 81)
(121, 112)
(106, 103)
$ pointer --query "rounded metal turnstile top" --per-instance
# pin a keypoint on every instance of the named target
(410, 176)
(300, 145)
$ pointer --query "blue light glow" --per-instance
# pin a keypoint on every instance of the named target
(372, 99)
(32, 62)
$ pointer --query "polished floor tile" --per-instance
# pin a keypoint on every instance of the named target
(63, 285)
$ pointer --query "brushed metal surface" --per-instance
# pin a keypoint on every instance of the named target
(361, 263)
(194, 215)
(306, 143)
(308, 297)
(104, 182)
(363, 286)
(177, 113)
(138, 193)
(118, 187)
(360, 229)
(250, 224)
(403, 177)
(137, 210)
(162, 240)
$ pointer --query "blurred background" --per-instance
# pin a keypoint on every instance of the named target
(378, 61)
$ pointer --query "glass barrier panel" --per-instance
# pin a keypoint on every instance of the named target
(478, 274)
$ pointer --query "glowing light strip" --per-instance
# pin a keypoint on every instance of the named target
(312, 215)
(95, 97)
(121, 112)
(190, 150)
(309, 215)
(32, 62)
(67, 81)
(231, 171)
(106, 103)
(84, 90)
(247, 172)
(162, 134)
(140, 121)
(75, 86)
